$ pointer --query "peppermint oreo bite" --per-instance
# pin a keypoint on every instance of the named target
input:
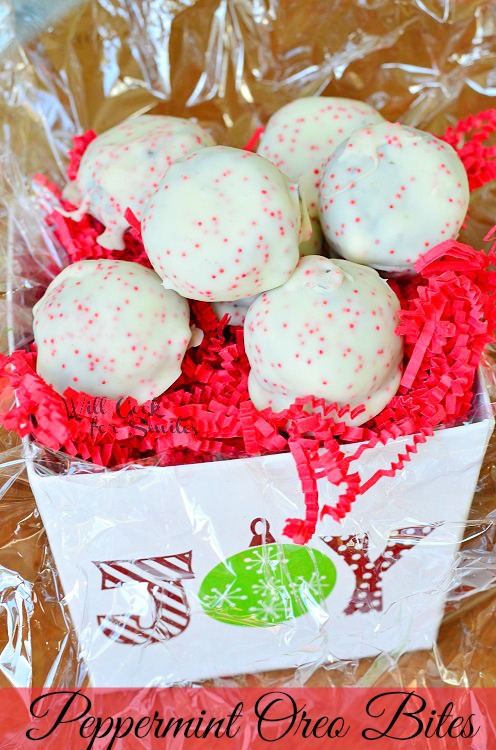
(109, 328)
(329, 332)
(121, 169)
(389, 194)
(224, 224)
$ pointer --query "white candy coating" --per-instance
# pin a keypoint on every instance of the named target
(390, 193)
(224, 224)
(300, 136)
(109, 328)
(122, 168)
(328, 332)
(236, 310)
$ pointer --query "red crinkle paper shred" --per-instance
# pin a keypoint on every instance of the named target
(81, 143)
(253, 142)
(447, 318)
(469, 138)
(207, 414)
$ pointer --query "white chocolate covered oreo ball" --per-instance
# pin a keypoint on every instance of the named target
(389, 194)
(300, 137)
(224, 224)
(328, 332)
(109, 328)
(121, 169)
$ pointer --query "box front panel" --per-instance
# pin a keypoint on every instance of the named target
(183, 574)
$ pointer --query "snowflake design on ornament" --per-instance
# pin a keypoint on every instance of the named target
(269, 610)
(230, 597)
(262, 560)
(310, 586)
(264, 588)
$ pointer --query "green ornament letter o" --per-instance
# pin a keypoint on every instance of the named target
(268, 585)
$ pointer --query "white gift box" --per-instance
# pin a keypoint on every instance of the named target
(179, 574)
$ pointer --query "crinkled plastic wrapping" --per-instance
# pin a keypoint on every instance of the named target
(151, 544)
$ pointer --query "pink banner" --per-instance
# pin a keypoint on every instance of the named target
(248, 719)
